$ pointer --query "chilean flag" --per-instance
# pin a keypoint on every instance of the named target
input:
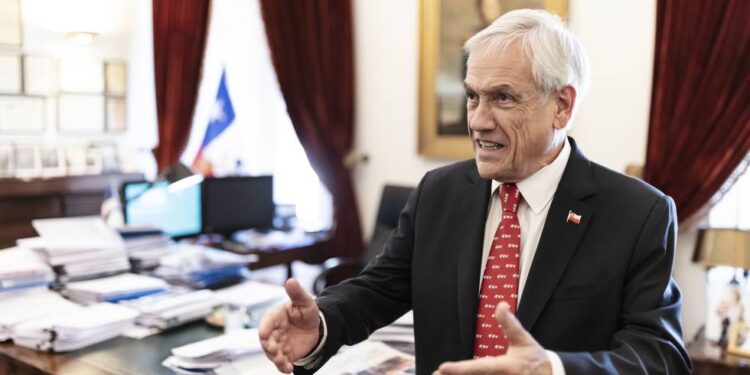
(222, 115)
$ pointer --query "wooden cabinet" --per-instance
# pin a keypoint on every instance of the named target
(24, 200)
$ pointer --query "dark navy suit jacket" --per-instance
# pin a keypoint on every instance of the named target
(599, 293)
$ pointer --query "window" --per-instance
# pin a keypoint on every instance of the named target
(260, 139)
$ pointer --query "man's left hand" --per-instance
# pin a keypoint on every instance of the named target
(524, 356)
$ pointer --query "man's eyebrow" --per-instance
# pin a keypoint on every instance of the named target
(494, 90)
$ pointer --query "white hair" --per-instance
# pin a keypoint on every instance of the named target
(557, 56)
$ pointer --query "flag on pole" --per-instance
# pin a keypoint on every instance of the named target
(222, 115)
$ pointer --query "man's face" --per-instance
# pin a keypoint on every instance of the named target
(514, 129)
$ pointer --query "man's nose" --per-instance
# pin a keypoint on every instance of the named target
(480, 118)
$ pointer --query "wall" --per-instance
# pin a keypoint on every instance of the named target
(611, 126)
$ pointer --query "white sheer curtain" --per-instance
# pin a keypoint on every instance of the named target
(261, 138)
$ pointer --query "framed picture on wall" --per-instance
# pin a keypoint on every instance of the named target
(22, 114)
(116, 114)
(10, 23)
(80, 114)
(114, 81)
(40, 75)
(10, 74)
(445, 25)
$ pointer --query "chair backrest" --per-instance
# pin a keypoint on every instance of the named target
(392, 202)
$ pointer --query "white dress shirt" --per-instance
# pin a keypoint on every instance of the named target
(537, 191)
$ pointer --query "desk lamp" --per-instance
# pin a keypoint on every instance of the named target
(724, 247)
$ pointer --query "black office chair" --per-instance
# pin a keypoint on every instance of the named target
(335, 270)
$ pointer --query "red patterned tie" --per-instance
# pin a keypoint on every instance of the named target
(500, 279)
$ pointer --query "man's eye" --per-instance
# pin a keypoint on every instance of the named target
(503, 97)
(471, 96)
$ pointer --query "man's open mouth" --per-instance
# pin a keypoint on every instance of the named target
(487, 145)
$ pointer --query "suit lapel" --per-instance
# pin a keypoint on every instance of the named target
(467, 240)
(560, 237)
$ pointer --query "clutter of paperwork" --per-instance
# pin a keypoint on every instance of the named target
(78, 248)
(145, 246)
(22, 269)
(203, 357)
(75, 329)
(251, 294)
(114, 288)
(25, 305)
(173, 309)
(199, 266)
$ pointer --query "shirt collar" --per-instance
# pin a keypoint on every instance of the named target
(539, 188)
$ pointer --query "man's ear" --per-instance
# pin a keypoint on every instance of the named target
(565, 99)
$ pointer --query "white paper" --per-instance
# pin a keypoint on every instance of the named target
(251, 294)
(86, 232)
(125, 283)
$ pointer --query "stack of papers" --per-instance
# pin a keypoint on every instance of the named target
(398, 335)
(145, 246)
(172, 309)
(22, 269)
(78, 248)
(204, 357)
(75, 329)
(24, 305)
(252, 294)
(202, 267)
(114, 288)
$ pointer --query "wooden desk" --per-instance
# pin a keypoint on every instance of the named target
(120, 356)
(707, 359)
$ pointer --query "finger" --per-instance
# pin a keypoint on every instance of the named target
(299, 297)
(269, 322)
(488, 365)
(517, 335)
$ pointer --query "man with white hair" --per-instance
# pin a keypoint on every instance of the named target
(528, 259)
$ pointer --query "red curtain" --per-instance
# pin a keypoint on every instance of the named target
(700, 105)
(311, 47)
(179, 41)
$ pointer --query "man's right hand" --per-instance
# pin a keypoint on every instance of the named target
(290, 331)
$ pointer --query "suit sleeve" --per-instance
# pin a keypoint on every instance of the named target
(377, 297)
(650, 338)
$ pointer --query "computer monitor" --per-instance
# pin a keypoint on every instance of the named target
(174, 209)
(236, 203)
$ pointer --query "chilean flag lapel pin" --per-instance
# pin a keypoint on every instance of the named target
(573, 218)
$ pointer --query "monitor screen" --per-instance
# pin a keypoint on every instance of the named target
(237, 203)
(176, 211)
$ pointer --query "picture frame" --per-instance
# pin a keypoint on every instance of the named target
(80, 114)
(81, 76)
(10, 74)
(75, 157)
(116, 114)
(739, 340)
(7, 164)
(27, 161)
(10, 23)
(115, 80)
(40, 75)
(22, 114)
(445, 25)
(52, 161)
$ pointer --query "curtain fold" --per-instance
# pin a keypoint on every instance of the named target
(311, 49)
(700, 106)
(179, 42)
